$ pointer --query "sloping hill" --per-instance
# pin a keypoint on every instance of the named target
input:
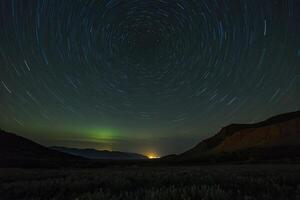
(17, 151)
(279, 136)
(102, 155)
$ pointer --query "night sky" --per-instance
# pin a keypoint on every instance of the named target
(145, 75)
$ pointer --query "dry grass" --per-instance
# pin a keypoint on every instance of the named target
(153, 183)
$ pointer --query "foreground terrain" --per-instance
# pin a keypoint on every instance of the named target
(157, 183)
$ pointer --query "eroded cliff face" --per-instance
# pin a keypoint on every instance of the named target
(280, 134)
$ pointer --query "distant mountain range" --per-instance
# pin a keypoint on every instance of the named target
(103, 154)
(17, 151)
(273, 139)
(277, 138)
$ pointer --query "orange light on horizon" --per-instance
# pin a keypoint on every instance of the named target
(152, 155)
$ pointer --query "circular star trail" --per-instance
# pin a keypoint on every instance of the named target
(143, 75)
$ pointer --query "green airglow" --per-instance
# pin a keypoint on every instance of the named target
(104, 134)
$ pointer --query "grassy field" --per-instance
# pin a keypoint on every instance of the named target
(267, 182)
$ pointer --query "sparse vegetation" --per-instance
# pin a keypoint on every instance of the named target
(246, 182)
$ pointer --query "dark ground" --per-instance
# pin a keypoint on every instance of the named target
(136, 183)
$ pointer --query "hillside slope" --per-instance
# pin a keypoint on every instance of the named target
(17, 151)
(277, 137)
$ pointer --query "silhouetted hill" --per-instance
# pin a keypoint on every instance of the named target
(274, 138)
(102, 155)
(17, 151)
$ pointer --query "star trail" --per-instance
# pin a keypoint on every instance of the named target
(145, 75)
